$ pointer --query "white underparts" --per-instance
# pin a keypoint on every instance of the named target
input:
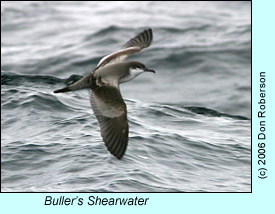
(134, 72)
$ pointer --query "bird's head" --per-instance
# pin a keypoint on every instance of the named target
(136, 68)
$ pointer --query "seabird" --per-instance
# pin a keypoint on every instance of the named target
(105, 97)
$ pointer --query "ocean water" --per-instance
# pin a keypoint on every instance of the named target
(190, 123)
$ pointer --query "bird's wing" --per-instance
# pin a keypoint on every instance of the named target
(111, 113)
(136, 44)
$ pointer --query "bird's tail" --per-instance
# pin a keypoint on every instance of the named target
(78, 85)
(62, 90)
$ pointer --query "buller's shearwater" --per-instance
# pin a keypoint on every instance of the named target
(106, 100)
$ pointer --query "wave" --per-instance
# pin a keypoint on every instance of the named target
(214, 113)
(9, 78)
(179, 29)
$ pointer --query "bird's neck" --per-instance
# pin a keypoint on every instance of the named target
(133, 73)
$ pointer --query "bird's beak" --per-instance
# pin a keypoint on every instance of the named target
(149, 70)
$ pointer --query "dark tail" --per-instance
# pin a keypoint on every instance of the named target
(78, 85)
(62, 90)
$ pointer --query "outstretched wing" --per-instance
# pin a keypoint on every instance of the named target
(136, 44)
(111, 113)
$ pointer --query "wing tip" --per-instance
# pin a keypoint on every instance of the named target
(118, 149)
(143, 39)
(119, 153)
(119, 157)
(149, 30)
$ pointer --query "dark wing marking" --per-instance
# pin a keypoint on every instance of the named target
(142, 40)
(136, 44)
(110, 110)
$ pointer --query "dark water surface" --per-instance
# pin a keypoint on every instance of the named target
(189, 123)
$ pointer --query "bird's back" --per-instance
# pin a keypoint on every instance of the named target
(111, 74)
